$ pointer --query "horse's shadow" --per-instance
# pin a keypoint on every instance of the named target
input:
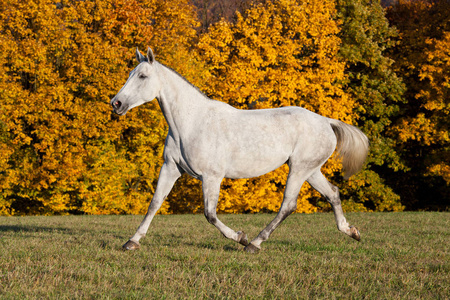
(179, 240)
(212, 246)
(29, 229)
(230, 248)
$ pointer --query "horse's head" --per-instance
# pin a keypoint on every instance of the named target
(142, 85)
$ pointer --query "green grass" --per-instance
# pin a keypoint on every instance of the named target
(401, 256)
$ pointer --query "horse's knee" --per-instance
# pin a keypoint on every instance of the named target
(211, 217)
(289, 208)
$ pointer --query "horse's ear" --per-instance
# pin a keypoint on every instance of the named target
(150, 55)
(139, 57)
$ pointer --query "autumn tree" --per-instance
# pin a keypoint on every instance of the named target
(61, 62)
(277, 53)
(62, 150)
(371, 81)
(422, 127)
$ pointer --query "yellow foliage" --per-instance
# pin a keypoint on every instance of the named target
(62, 150)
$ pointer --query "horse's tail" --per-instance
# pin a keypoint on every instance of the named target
(352, 146)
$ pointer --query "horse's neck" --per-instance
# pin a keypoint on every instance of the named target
(180, 102)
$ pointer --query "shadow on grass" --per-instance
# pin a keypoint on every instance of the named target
(75, 231)
(27, 228)
(230, 248)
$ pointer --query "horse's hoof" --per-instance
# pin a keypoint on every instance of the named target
(242, 238)
(250, 248)
(354, 233)
(130, 245)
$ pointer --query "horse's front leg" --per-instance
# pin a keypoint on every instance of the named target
(168, 175)
(211, 190)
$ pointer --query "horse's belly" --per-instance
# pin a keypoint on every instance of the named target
(247, 165)
(251, 171)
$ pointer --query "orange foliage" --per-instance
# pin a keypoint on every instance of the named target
(62, 150)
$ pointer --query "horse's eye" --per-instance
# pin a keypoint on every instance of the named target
(142, 76)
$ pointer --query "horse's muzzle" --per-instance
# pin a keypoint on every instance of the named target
(118, 107)
(116, 104)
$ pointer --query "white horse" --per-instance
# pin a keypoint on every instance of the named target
(211, 140)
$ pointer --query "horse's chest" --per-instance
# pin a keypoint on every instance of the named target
(177, 152)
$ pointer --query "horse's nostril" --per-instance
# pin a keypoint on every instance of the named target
(117, 104)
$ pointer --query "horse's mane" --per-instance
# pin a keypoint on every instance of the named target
(182, 77)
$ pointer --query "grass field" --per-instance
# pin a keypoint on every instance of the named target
(401, 256)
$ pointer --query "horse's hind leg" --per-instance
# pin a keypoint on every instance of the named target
(294, 182)
(331, 193)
